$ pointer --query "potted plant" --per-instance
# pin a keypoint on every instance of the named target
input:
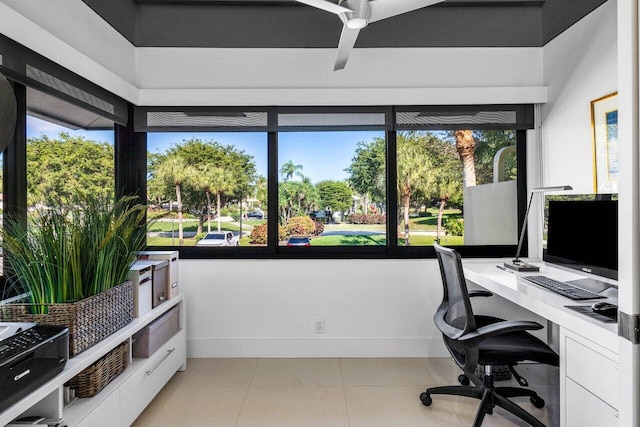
(72, 264)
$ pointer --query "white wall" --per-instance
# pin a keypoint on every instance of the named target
(305, 76)
(579, 66)
(267, 308)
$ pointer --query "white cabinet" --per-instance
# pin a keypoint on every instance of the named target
(123, 399)
(584, 409)
(588, 382)
(105, 415)
(139, 389)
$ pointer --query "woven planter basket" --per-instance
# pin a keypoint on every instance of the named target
(89, 320)
(93, 379)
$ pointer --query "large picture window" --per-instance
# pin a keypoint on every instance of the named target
(207, 189)
(457, 187)
(334, 181)
(296, 182)
(331, 188)
(70, 153)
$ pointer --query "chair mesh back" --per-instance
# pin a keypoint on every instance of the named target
(458, 313)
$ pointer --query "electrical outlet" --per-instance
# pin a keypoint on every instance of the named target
(319, 325)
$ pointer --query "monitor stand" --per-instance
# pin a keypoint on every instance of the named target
(592, 285)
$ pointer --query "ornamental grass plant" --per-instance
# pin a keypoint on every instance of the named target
(64, 254)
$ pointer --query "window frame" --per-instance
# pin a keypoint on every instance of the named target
(131, 171)
(391, 250)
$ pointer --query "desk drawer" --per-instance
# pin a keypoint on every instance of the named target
(105, 415)
(593, 370)
(142, 386)
(583, 409)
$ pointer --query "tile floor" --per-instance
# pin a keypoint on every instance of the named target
(330, 392)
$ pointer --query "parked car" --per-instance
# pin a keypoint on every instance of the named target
(321, 215)
(298, 241)
(219, 238)
(258, 214)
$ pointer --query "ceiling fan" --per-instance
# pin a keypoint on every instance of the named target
(357, 14)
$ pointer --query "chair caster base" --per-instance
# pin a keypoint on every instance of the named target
(537, 401)
(425, 399)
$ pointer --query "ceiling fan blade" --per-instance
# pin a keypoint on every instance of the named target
(326, 5)
(381, 9)
(347, 41)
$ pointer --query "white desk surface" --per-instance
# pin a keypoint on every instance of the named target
(510, 285)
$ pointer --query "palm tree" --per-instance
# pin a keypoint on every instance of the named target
(260, 190)
(220, 180)
(414, 172)
(465, 146)
(175, 172)
(289, 169)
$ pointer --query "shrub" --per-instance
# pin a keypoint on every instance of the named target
(259, 236)
(367, 219)
(319, 228)
(300, 226)
(453, 226)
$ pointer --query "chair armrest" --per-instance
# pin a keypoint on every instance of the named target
(480, 293)
(488, 331)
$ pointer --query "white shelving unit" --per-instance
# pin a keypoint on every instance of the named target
(120, 402)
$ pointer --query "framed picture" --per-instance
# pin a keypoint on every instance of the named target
(604, 123)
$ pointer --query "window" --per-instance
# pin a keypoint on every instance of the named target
(203, 184)
(458, 187)
(362, 181)
(332, 187)
(70, 152)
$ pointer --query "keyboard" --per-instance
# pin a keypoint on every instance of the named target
(562, 288)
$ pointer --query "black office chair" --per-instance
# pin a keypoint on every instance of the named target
(483, 340)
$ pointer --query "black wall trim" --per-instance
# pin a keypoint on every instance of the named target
(288, 24)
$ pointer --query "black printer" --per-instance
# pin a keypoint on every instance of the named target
(30, 355)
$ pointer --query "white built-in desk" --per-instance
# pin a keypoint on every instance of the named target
(588, 347)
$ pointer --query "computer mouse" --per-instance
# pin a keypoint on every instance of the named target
(605, 308)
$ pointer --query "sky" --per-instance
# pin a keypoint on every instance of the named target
(37, 127)
(323, 155)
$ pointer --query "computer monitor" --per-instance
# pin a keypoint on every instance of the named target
(582, 233)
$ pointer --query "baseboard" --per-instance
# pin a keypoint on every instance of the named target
(325, 348)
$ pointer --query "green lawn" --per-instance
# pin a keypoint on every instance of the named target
(430, 223)
(428, 240)
(193, 226)
(375, 240)
(168, 241)
(416, 224)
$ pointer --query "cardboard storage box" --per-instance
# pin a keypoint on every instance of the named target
(160, 280)
(173, 257)
(151, 337)
(142, 278)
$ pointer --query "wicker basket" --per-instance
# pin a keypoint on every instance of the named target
(93, 379)
(89, 320)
